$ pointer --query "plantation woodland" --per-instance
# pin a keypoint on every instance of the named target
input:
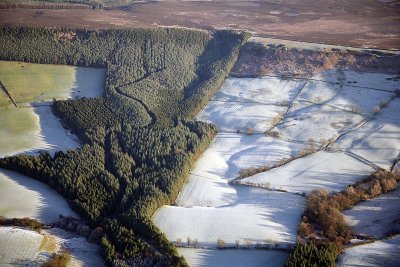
(139, 140)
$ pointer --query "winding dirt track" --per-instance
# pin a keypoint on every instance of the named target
(361, 23)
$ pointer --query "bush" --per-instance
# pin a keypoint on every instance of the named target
(58, 260)
(376, 110)
(23, 222)
(220, 243)
(249, 131)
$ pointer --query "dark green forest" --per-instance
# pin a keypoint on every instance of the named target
(139, 141)
(53, 4)
(66, 4)
(313, 255)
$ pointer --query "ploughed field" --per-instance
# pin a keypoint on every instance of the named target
(327, 130)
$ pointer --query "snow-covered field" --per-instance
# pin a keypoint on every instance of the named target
(21, 247)
(18, 247)
(379, 253)
(316, 123)
(259, 217)
(228, 154)
(263, 90)
(368, 80)
(22, 196)
(233, 257)
(376, 217)
(333, 104)
(330, 170)
(82, 252)
(254, 103)
(346, 97)
(379, 139)
(235, 116)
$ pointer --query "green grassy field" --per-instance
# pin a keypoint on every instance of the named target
(17, 127)
(27, 82)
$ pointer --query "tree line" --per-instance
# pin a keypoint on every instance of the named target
(51, 4)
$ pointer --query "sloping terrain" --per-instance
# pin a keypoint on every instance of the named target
(379, 253)
(377, 218)
(309, 143)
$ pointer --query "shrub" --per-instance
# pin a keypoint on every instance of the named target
(58, 260)
(304, 229)
(274, 134)
(356, 109)
(220, 243)
(277, 119)
(23, 222)
(376, 109)
(249, 131)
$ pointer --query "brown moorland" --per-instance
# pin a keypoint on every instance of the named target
(360, 23)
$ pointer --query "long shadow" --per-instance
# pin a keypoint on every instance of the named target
(47, 203)
(89, 82)
(52, 135)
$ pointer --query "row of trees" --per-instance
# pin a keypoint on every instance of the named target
(138, 146)
(51, 4)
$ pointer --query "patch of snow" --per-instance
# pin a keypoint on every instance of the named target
(267, 216)
(317, 123)
(332, 171)
(263, 90)
(22, 247)
(88, 82)
(379, 253)
(229, 153)
(378, 140)
(380, 81)
(234, 116)
(376, 217)
(83, 253)
(18, 247)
